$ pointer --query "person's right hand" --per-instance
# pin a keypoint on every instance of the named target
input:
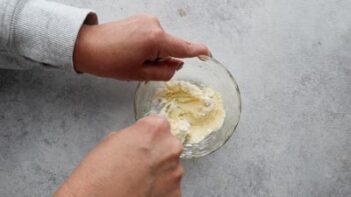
(139, 161)
(131, 49)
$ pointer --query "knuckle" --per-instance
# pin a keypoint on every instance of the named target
(176, 148)
(155, 123)
(161, 124)
(180, 146)
(110, 136)
(155, 35)
(146, 121)
(149, 21)
(152, 19)
(178, 172)
(188, 47)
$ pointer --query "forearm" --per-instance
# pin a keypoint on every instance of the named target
(41, 31)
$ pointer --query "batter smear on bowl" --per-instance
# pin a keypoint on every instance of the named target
(193, 111)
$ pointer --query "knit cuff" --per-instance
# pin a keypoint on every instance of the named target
(46, 32)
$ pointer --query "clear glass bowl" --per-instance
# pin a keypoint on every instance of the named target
(204, 71)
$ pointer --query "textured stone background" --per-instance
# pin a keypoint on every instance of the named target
(292, 60)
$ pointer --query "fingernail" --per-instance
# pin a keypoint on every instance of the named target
(204, 57)
(210, 54)
(180, 66)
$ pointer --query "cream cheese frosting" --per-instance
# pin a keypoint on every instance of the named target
(193, 111)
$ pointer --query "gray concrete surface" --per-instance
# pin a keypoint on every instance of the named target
(292, 60)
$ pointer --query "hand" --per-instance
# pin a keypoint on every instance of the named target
(140, 161)
(130, 49)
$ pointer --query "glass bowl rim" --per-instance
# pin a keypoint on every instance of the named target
(203, 58)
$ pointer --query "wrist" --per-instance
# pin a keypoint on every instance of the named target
(81, 48)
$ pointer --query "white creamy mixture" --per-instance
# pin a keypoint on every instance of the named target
(193, 111)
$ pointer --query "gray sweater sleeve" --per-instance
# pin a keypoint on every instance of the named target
(39, 33)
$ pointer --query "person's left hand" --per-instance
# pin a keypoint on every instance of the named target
(136, 48)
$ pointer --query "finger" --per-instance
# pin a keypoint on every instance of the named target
(172, 61)
(161, 71)
(175, 147)
(178, 173)
(176, 47)
(149, 122)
